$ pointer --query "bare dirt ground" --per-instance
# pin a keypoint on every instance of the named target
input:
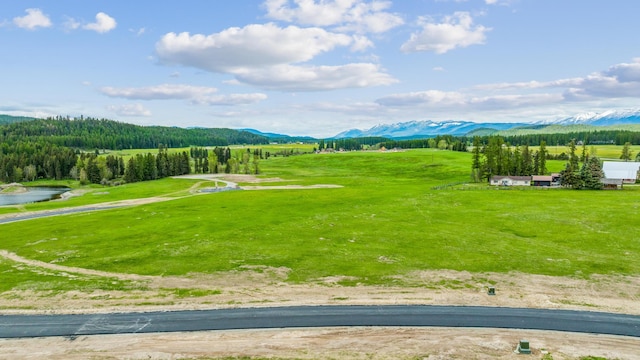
(330, 343)
(262, 286)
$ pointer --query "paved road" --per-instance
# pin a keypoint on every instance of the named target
(18, 326)
(41, 214)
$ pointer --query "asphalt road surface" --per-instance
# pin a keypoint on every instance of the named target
(21, 326)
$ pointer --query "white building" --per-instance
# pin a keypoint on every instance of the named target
(504, 180)
(625, 171)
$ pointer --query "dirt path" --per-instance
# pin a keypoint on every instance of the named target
(67, 269)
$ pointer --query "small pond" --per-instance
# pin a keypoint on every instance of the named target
(31, 195)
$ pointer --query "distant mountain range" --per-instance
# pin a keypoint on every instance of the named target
(280, 137)
(428, 128)
(417, 129)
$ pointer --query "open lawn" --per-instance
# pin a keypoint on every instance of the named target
(397, 212)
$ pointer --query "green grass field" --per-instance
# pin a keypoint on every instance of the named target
(397, 212)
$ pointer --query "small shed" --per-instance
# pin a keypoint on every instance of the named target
(627, 171)
(541, 180)
(505, 180)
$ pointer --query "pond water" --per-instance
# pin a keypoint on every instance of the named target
(33, 194)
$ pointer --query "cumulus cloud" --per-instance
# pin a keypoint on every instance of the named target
(318, 78)
(253, 46)
(455, 31)
(104, 23)
(346, 15)
(620, 81)
(129, 110)
(233, 99)
(268, 56)
(159, 92)
(34, 19)
(195, 94)
(435, 99)
(71, 24)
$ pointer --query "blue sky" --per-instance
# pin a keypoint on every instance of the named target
(318, 67)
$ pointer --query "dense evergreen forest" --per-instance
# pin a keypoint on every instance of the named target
(442, 142)
(61, 148)
(91, 133)
(8, 119)
(613, 137)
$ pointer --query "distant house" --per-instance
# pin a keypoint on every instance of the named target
(504, 180)
(625, 171)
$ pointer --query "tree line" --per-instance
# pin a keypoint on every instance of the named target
(92, 133)
(29, 161)
(495, 157)
(598, 137)
(442, 142)
(579, 177)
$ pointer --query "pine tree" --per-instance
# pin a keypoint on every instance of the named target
(542, 158)
(626, 152)
(591, 174)
(475, 166)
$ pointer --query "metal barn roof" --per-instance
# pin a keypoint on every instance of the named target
(620, 170)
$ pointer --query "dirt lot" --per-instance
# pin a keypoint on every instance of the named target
(266, 287)
(334, 343)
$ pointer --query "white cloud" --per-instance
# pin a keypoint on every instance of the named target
(159, 92)
(499, 2)
(104, 23)
(347, 15)
(268, 56)
(620, 81)
(361, 43)
(253, 46)
(138, 32)
(429, 97)
(455, 31)
(438, 68)
(34, 19)
(195, 94)
(317, 78)
(233, 99)
(442, 100)
(71, 24)
(129, 110)
(530, 85)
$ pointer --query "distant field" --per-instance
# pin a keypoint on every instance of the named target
(274, 148)
(612, 152)
(397, 212)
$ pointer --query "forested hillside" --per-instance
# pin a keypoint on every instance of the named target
(8, 119)
(614, 137)
(90, 133)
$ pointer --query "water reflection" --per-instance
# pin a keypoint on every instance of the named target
(31, 195)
